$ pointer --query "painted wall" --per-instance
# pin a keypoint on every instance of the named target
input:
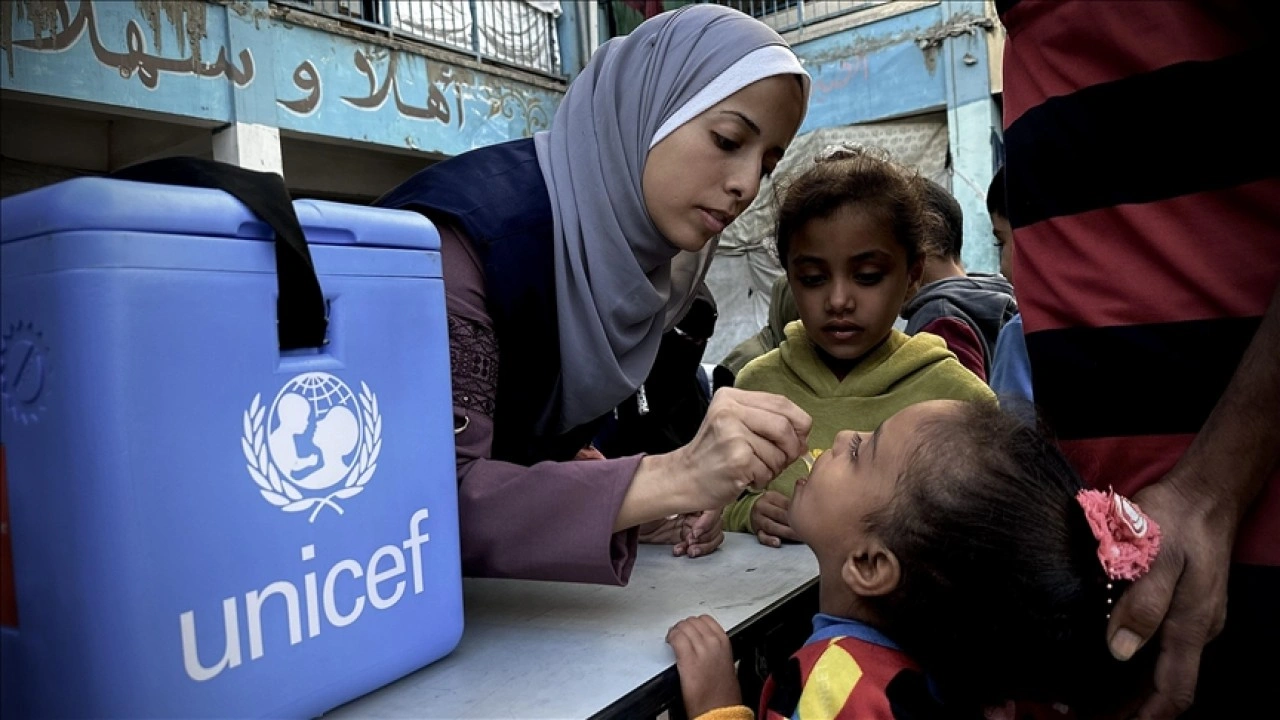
(237, 63)
(972, 165)
(971, 123)
(926, 60)
(874, 71)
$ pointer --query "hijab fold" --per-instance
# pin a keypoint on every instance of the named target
(619, 283)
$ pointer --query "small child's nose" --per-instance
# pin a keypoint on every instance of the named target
(840, 298)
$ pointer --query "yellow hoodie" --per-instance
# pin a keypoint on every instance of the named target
(903, 371)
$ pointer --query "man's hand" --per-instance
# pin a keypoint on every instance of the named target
(1200, 504)
(1184, 596)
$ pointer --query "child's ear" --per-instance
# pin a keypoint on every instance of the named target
(914, 274)
(871, 569)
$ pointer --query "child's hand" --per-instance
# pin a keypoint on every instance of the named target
(770, 517)
(692, 534)
(589, 453)
(700, 534)
(705, 662)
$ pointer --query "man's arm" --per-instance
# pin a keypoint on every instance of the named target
(1200, 505)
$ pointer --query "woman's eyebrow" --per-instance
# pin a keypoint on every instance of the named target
(746, 120)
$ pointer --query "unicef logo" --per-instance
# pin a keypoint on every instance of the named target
(317, 444)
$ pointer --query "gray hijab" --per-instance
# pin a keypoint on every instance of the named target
(615, 293)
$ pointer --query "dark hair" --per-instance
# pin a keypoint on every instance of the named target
(848, 176)
(997, 200)
(1002, 595)
(947, 237)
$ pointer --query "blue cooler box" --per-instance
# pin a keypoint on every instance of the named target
(202, 524)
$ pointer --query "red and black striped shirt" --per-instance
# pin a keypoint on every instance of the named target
(1143, 171)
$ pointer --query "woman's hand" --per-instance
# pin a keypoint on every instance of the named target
(700, 533)
(746, 439)
(704, 659)
(665, 531)
(770, 516)
(692, 534)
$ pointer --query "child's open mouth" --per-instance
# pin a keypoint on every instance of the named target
(810, 458)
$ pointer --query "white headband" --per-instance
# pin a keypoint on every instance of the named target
(766, 62)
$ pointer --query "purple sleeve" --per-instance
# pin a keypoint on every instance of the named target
(552, 521)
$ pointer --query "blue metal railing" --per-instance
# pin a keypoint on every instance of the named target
(787, 15)
(513, 32)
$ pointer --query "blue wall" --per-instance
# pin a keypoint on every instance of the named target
(235, 63)
(874, 71)
(927, 60)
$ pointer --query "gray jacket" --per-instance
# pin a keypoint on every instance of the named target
(983, 301)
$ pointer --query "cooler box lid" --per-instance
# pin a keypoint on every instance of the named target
(107, 204)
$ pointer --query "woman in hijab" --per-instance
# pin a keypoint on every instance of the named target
(567, 256)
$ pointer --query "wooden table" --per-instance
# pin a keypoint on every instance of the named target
(564, 650)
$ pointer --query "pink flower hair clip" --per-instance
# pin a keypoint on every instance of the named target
(1128, 540)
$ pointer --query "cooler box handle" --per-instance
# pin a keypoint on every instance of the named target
(301, 314)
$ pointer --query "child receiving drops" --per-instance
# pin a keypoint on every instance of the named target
(961, 566)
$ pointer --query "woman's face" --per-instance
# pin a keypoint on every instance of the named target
(699, 178)
(850, 277)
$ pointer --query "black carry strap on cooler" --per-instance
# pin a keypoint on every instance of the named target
(301, 314)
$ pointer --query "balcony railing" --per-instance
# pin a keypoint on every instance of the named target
(515, 32)
(787, 15)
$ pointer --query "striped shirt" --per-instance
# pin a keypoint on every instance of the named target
(1143, 171)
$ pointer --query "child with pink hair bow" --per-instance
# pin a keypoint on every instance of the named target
(965, 572)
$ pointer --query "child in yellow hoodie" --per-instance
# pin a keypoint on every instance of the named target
(850, 231)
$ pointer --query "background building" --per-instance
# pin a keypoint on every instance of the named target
(346, 98)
